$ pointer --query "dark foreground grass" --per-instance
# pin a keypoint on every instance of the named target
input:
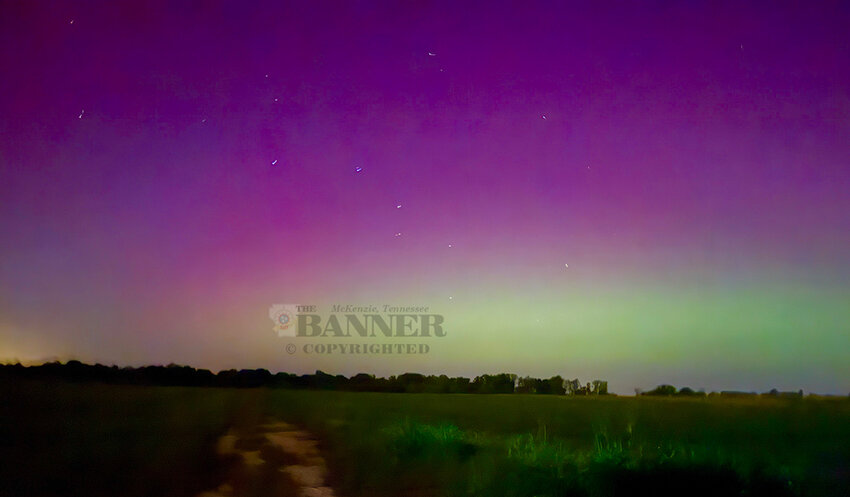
(98, 440)
(67, 439)
(517, 445)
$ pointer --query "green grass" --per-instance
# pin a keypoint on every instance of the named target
(536, 445)
(110, 440)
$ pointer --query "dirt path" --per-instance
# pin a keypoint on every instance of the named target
(270, 460)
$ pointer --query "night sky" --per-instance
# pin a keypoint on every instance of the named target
(645, 193)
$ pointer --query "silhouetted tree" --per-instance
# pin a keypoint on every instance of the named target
(662, 390)
(556, 385)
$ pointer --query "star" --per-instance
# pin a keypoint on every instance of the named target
(398, 206)
(451, 298)
(432, 54)
(274, 162)
(81, 114)
(566, 265)
(358, 169)
(397, 234)
(450, 245)
(544, 116)
(72, 21)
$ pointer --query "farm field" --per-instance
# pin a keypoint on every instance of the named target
(87, 439)
(424, 249)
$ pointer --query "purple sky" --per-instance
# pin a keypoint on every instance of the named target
(673, 146)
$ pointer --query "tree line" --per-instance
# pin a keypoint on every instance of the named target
(177, 375)
(671, 391)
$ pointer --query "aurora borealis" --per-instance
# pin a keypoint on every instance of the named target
(170, 170)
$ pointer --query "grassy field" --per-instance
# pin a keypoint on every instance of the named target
(67, 439)
(111, 440)
(549, 445)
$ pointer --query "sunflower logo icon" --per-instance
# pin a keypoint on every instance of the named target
(283, 317)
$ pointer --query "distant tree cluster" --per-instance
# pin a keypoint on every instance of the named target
(559, 386)
(671, 391)
(666, 390)
(175, 375)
